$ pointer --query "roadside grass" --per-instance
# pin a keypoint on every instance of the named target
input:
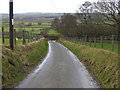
(18, 63)
(102, 63)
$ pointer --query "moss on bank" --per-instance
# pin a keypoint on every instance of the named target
(103, 63)
(18, 63)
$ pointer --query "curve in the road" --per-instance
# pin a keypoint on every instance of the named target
(60, 69)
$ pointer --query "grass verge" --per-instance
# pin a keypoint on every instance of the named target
(18, 63)
(102, 63)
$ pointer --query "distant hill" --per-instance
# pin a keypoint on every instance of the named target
(31, 16)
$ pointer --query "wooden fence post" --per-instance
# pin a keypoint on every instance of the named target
(23, 37)
(90, 41)
(80, 40)
(28, 37)
(15, 35)
(95, 41)
(112, 42)
(31, 37)
(101, 41)
(85, 41)
(36, 36)
(3, 38)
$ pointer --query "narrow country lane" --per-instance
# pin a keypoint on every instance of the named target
(60, 69)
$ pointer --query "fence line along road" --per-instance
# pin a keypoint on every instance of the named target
(23, 35)
(102, 41)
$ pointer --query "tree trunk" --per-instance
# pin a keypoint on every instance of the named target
(95, 41)
(90, 42)
(23, 37)
(87, 39)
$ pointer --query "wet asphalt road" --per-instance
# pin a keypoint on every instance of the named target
(60, 69)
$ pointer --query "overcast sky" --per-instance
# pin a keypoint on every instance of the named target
(61, 6)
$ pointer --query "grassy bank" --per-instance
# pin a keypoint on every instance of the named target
(102, 63)
(18, 63)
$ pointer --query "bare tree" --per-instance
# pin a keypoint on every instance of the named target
(110, 9)
(84, 12)
(86, 16)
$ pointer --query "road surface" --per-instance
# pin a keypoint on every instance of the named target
(60, 69)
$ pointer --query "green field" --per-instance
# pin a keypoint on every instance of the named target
(35, 28)
(107, 44)
(19, 41)
(34, 25)
(52, 32)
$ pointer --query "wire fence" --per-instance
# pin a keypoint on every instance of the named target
(20, 37)
(104, 42)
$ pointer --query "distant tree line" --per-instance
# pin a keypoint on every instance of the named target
(92, 19)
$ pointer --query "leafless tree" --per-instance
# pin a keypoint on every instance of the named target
(110, 9)
(84, 12)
